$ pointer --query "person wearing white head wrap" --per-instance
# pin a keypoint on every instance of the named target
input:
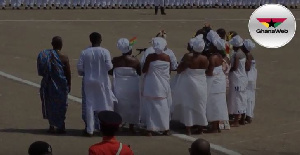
(159, 44)
(126, 71)
(198, 44)
(238, 82)
(236, 41)
(123, 45)
(252, 76)
(167, 51)
(216, 109)
(156, 91)
(190, 89)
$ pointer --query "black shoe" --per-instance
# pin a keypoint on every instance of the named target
(292, 7)
(74, 7)
(65, 5)
(51, 130)
(44, 8)
(31, 8)
(57, 8)
(18, 8)
(61, 131)
(52, 5)
(87, 134)
(13, 8)
(296, 7)
(62, 7)
(82, 8)
(162, 11)
(38, 8)
(156, 10)
(69, 8)
(25, 8)
(113, 7)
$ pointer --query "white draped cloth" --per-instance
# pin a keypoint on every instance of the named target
(238, 82)
(157, 96)
(126, 90)
(169, 52)
(252, 76)
(94, 64)
(216, 99)
(190, 97)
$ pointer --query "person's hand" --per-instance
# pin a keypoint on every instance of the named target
(207, 25)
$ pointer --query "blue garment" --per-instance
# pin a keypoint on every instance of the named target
(54, 88)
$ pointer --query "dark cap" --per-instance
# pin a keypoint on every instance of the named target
(109, 118)
(39, 148)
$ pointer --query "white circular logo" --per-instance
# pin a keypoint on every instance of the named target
(272, 25)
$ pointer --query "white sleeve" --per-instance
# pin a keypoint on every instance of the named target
(80, 68)
(174, 63)
(107, 60)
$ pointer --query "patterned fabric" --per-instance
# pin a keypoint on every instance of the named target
(54, 87)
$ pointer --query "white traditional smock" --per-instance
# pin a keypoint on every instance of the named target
(252, 76)
(190, 97)
(157, 96)
(94, 64)
(126, 90)
(216, 99)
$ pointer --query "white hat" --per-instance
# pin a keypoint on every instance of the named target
(249, 45)
(219, 43)
(193, 39)
(123, 45)
(198, 45)
(159, 44)
(236, 41)
(211, 35)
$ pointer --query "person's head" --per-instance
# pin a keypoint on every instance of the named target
(217, 43)
(95, 38)
(198, 44)
(222, 33)
(109, 122)
(57, 43)
(248, 46)
(40, 148)
(124, 46)
(159, 44)
(190, 45)
(200, 147)
(236, 42)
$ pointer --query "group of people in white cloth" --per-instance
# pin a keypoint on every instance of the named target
(215, 80)
(134, 4)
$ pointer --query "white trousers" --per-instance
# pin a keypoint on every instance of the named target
(91, 120)
(15, 3)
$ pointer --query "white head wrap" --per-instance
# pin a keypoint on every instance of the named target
(159, 44)
(191, 42)
(236, 41)
(219, 43)
(123, 45)
(198, 44)
(249, 44)
(211, 35)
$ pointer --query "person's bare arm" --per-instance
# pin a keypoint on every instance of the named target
(235, 64)
(211, 66)
(138, 68)
(183, 65)
(110, 72)
(248, 62)
(147, 63)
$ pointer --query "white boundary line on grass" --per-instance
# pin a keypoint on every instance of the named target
(76, 99)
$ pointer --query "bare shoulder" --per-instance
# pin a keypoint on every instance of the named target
(63, 57)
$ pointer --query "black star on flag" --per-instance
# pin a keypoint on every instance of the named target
(271, 23)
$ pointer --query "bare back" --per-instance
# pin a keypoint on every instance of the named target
(127, 61)
(153, 57)
(215, 60)
(193, 61)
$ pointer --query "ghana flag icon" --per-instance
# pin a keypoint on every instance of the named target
(271, 22)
